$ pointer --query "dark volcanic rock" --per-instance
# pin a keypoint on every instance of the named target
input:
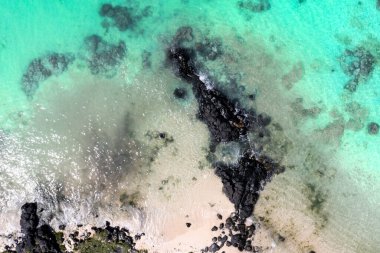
(242, 182)
(358, 64)
(214, 247)
(42, 68)
(36, 239)
(103, 56)
(255, 5)
(373, 128)
(225, 121)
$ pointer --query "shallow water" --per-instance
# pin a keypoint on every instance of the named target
(83, 138)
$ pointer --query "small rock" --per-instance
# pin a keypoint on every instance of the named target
(214, 228)
(373, 128)
(180, 93)
(214, 247)
(188, 224)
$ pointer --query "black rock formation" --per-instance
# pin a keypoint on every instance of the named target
(36, 239)
(120, 15)
(225, 121)
(42, 68)
(183, 34)
(103, 56)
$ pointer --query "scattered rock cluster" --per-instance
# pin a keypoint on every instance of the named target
(120, 15)
(242, 182)
(233, 232)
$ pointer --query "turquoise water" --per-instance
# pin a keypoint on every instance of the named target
(293, 50)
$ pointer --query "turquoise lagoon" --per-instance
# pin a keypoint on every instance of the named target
(290, 56)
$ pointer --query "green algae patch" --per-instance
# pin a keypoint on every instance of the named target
(94, 245)
(99, 244)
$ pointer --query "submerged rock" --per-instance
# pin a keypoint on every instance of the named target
(43, 239)
(103, 56)
(373, 128)
(120, 15)
(123, 17)
(358, 64)
(255, 5)
(180, 93)
(42, 68)
(209, 48)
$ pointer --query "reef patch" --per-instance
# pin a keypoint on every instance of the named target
(254, 5)
(358, 64)
(41, 68)
(103, 56)
(122, 17)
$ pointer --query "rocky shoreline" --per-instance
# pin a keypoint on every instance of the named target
(41, 238)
